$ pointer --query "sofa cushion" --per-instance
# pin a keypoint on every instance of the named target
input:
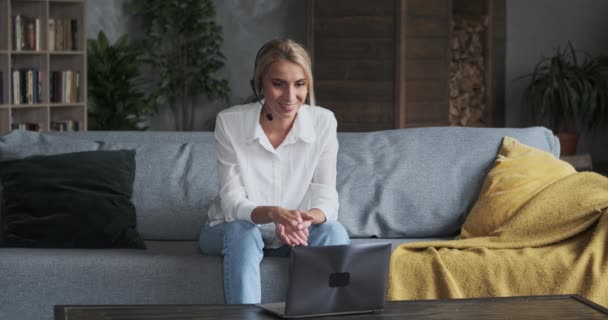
(71, 200)
(20, 144)
(176, 178)
(422, 182)
(174, 185)
(406, 183)
(518, 174)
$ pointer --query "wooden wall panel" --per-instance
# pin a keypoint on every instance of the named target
(353, 49)
(352, 8)
(384, 64)
(427, 113)
(426, 58)
(358, 70)
(426, 48)
(429, 8)
(372, 112)
(425, 69)
(355, 27)
(353, 91)
(428, 27)
(426, 90)
(495, 115)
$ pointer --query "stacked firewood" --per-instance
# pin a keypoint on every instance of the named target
(467, 71)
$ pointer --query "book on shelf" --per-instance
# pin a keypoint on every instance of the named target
(63, 34)
(29, 126)
(65, 86)
(16, 32)
(1, 88)
(26, 33)
(74, 34)
(51, 35)
(64, 125)
(37, 39)
(27, 84)
(16, 78)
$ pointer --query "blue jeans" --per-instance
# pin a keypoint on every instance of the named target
(241, 245)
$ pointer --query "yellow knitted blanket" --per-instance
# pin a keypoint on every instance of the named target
(551, 241)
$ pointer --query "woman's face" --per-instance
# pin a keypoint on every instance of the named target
(285, 88)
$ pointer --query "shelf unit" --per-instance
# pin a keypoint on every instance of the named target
(46, 61)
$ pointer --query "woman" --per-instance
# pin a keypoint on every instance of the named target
(277, 168)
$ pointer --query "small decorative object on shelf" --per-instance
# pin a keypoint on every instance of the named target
(65, 125)
(43, 61)
(26, 126)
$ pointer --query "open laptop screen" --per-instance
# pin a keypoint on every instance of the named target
(337, 279)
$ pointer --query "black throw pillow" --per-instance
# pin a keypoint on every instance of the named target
(70, 200)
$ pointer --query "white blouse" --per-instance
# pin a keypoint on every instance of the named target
(299, 174)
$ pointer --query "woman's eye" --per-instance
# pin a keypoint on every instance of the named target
(300, 84)
(277, 84)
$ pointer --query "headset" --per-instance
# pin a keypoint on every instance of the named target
(253, 81)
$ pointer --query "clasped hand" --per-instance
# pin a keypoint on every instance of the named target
(291, 226)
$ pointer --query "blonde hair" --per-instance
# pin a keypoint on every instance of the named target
(284, 49)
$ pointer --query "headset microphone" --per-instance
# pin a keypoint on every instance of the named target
(253, 86)
(255, 92)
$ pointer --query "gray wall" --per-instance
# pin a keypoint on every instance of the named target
(537, 27)
(533, 28)
(246, 26)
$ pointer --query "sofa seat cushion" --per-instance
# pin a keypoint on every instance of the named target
(167, 272)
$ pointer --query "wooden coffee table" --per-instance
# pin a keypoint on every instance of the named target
(537, 307)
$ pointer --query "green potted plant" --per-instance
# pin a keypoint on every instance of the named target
(116, 99)
(568, 94)
(183, 48)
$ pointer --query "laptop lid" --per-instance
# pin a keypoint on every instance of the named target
(337, 279)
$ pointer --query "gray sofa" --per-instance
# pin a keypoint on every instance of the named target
(396, 186)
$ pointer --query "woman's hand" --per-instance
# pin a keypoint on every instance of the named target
(292, 226)
(295, 219)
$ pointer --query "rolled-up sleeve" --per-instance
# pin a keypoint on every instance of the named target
(323, 194)
(234, 202)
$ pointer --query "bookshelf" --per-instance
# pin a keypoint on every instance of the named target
(43, 65)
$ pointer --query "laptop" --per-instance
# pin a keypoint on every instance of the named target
(334, 280)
